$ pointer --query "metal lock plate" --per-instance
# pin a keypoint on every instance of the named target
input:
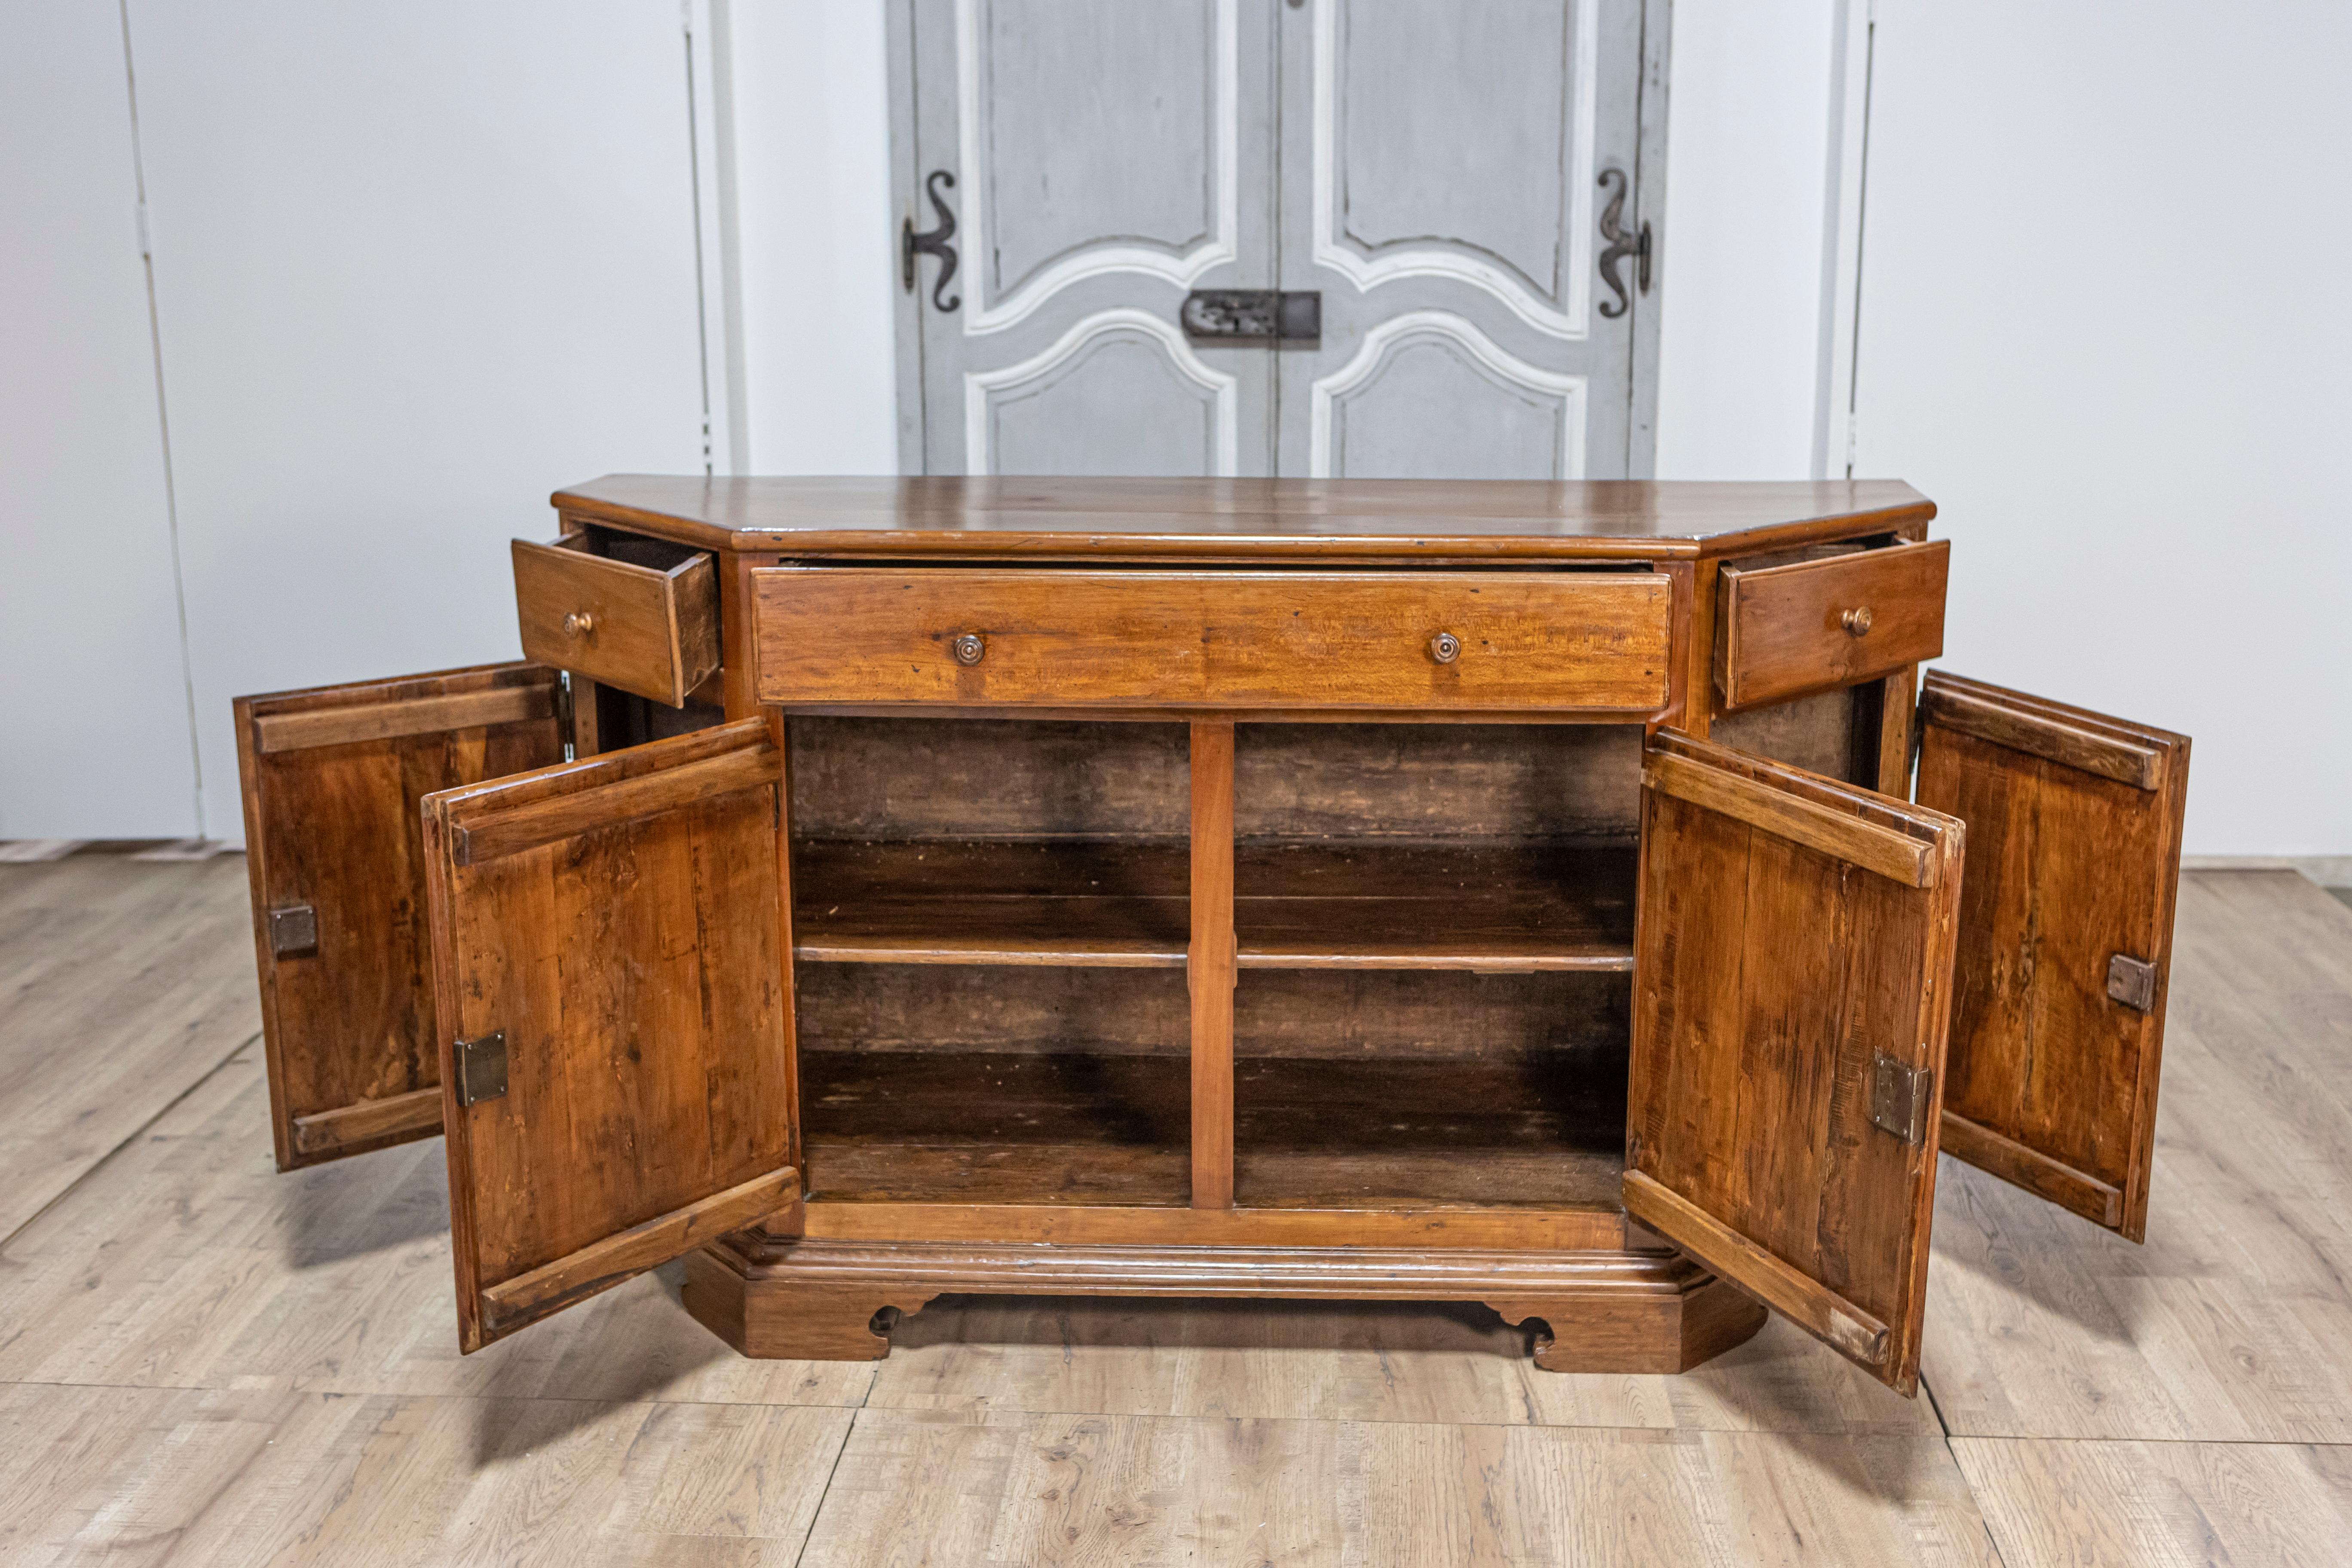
(1253, 315)
(293, 931)
(2132, 982)
(482, 1067)
(1898, 1098)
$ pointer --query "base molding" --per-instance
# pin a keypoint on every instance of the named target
(1608, 1312)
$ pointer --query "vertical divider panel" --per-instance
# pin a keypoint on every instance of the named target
(1209, 964)
(1691, 709)
(787, 1221)
(1898, 694)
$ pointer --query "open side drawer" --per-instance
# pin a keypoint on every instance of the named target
(1807, 625)
(637, 613)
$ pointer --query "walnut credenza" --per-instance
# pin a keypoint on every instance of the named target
(1516, 893)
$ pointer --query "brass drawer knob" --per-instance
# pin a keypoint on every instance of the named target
(579, 623)
(1445, 648)
(1855, 622)
(968, 649)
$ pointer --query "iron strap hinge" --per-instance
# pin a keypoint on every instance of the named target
(937, 241)
(1898, 1098)
(1621, 245)
(565, 720)
(2132, 982)
(482, 1067)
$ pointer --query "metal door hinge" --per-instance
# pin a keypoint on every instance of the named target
(563, 714)
(293, 931)
(1918, 744)
(1621, 245)
(482, 1067)
(2132, 982)
(933, 241)
(1253, 315)
(1898, 1098)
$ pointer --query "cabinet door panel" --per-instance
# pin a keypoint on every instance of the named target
(609, 942)
(2073, 858)
(1794, 953)
(332, 778)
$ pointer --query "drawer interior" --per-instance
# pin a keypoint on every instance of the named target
(643, 549)
(625, 610)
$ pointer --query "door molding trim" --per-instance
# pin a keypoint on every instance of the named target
(1490, 355)
(982, 314)
(979, 453)
(1571, 321)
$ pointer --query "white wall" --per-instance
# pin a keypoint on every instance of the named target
(2102, 321)
(1741, 246)
(809, 98)
(2104, 325)
(93, 715)
(416, 266)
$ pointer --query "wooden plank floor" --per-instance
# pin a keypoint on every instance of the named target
(122, 983)
(203, 1362)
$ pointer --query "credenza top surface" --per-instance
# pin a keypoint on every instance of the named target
(1244, 520)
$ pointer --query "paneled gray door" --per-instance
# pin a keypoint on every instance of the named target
(1434, 171)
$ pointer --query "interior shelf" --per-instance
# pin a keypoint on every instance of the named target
(996, 1127)
(1496, 908)
(1098, 903)
(1356, 1133)
(1003, 1127)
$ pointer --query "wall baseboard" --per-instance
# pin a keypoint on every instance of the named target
(2327, 870)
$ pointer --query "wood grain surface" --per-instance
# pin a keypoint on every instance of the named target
(121, 985)
(1209, 973)
(2227, 1326)
(1008, 1128)
(207, 1363)
(1749, 1111)
(648, 1072)
(1783, 631)
(1017, 777)
(1082, 637)
(331, 780)
(481, 708)
(1244, 520)
(648, 626)
(2073, 857)
(1491, 907)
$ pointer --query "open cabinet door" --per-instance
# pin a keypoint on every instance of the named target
(2074, 859)
(332, 779)
(609, 943)
(1792, 959)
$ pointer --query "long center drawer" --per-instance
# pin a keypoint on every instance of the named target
(1498, 641)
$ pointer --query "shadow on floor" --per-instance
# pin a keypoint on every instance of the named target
(1156, 1323)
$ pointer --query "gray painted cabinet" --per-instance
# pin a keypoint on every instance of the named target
(1434, 173)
